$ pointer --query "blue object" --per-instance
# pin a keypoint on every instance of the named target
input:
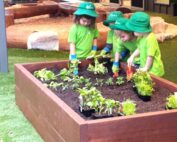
(75, 72)
(107, 49)
(73, 56)
(94, 47)
(124, 53)
(116, 64)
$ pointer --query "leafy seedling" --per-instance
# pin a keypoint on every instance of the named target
(120, 80)
(171, 102)
(97, 68)
(128, 107)
(109, 81)
(45, 75)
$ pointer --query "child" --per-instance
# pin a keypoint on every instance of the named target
(111, 35)
(148, 48)
(125, 41)
(83, 34)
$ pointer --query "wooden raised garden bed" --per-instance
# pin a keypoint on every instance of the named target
(57, 122)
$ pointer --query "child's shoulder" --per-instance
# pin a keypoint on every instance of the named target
(151, 36)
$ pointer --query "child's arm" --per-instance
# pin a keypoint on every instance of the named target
(117, 57)
(95, 42)
(115, 66)
(131, 58)
(73, 58)
(94, 49)
(149, 62)
(72, 48)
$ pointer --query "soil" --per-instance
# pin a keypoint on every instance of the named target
(120, 93)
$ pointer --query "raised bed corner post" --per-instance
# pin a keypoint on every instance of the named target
(3, 43)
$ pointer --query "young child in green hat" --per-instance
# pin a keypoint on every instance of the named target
(83, 34)
(148, 48)
(111, 37)
(125, 41)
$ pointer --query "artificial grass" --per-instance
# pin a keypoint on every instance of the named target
(14, 127)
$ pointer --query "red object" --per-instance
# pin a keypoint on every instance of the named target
(115, 75)
(129, 73)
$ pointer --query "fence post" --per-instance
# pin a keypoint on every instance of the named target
(3, 41)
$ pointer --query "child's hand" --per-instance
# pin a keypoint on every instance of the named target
(143, 69)
(104, 52)
(92, 53)
(115, 69)
(74, 64)
(130, 61)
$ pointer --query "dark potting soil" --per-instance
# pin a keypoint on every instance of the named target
(120, 93)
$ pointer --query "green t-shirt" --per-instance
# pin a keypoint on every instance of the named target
(130, 45)
(112, 39)
(148, 46)
(82, 37)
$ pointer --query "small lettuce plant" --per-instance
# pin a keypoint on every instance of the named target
(171, 101)
(143, 83)
(120, 80)
(97, 68)
(128, 107)
(45, 75)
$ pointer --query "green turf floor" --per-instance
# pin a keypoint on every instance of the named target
(14, 127)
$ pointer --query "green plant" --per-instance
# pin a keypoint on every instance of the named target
(144, 89)
(109, 81)
(45, 75)
(171, 102)
(128, 107)
(64, 72)
(141, 76)
(99, 82)
(87, 96)
(54, 85)
(120, 80)
(97, 68)
(143, 83)
(109, 106)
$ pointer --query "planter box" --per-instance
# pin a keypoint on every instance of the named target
(57, 122)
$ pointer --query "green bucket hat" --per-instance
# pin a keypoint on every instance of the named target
(120, 24)
(112, 17)
(86, 8)
(139, 22)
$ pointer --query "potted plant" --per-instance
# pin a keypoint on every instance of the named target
(143, 85)
(128, 107)
(87, 99)
(106, 108)
(171, 102)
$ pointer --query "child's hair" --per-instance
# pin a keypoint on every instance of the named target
(93, 20)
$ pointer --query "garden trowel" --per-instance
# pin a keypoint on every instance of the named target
(129, 73)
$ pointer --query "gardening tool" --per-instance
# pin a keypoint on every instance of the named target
(115, 75)
(129, 73)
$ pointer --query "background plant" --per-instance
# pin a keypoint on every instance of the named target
(45, 75)
(171, 102)
(97, 68)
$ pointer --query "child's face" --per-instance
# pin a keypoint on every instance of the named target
(124, 36)
(85, 22)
